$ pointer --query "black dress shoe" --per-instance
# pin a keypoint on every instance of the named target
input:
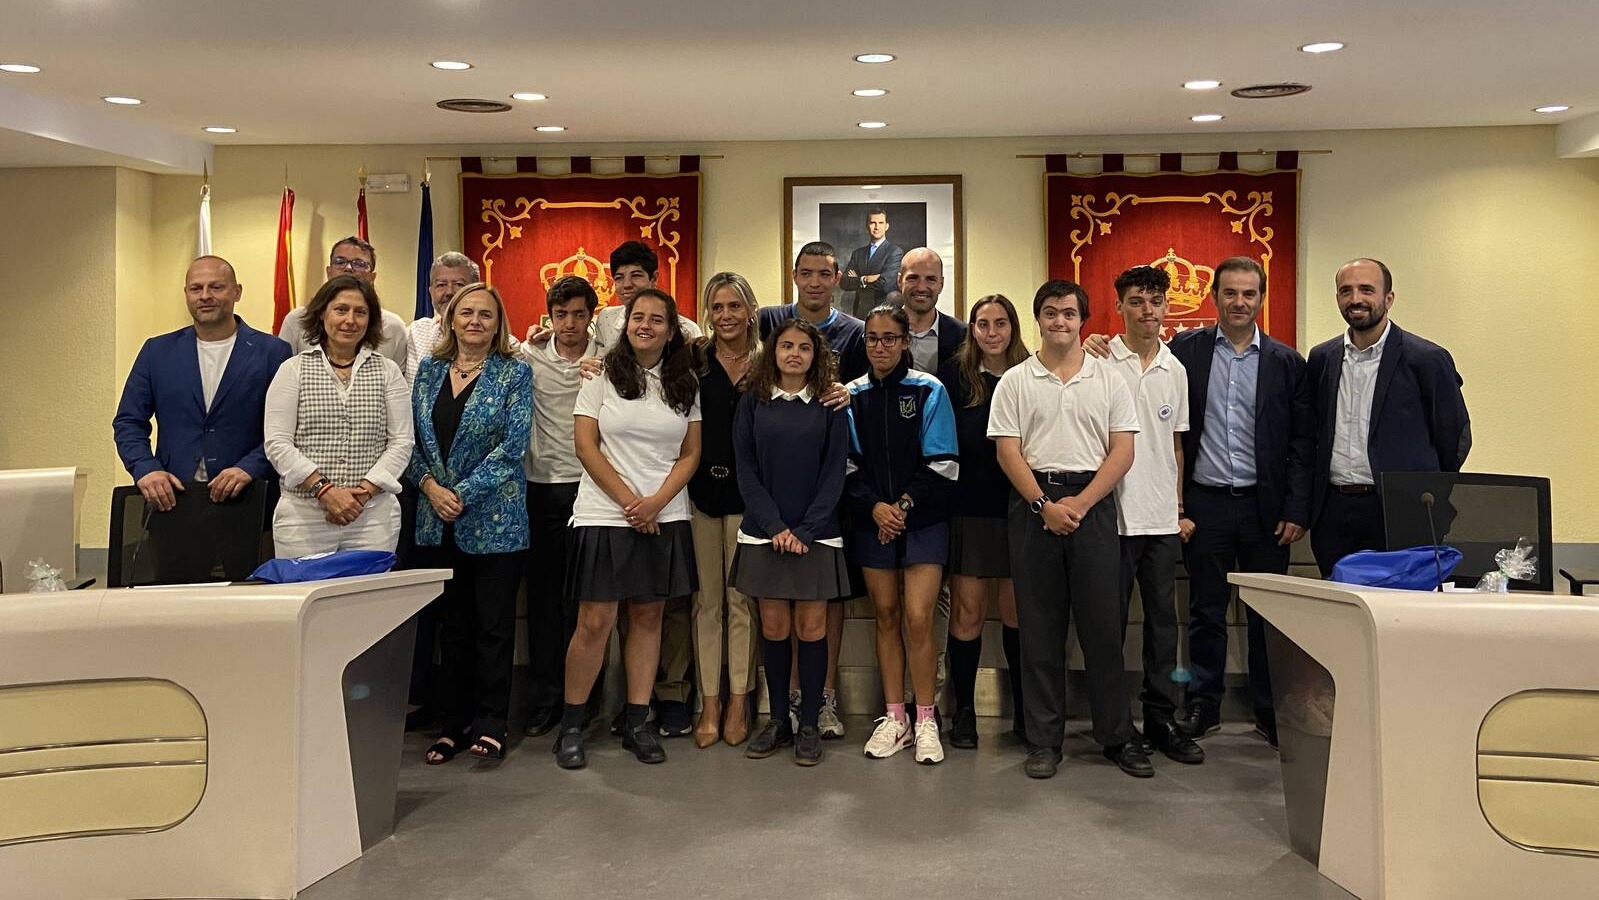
(808, 746)
(644, 744)
(1131, 760)
(676, 720)
(1163, 735)
(1141, 738)
(1202, 719)
(1042, 762)
(568, 749)
(776, 735)
(963, 732)
(540, 719)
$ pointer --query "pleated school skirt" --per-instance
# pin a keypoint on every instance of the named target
(765, 574)
(614, 564)
(978, 547)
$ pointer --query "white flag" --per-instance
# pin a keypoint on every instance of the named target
(204, 248)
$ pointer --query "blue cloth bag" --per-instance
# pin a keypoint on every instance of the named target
(319, 566)
(1411, 570)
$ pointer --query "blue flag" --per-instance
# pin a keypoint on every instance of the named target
(424, 256)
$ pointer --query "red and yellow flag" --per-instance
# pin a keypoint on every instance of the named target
(360, 215)
(283, 269)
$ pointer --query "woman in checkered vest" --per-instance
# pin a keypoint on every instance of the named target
(338, 429)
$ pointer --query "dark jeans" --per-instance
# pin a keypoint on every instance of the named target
(1228, 537)
(477, 637)
(551, 617)
(1151, 560)
(1348, 523)
(1064, 579)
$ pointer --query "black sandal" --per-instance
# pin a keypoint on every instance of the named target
(488, 746)
(447, 747)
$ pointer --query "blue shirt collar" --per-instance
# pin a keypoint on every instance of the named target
(1222, 338)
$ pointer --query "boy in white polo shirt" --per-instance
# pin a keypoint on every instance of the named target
(1063, 425)
(1147, 499)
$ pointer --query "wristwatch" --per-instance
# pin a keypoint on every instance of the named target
(904, 504)
(321, 483)
(1037, 505)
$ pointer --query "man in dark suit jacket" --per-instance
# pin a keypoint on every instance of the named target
(873, 270)
(935, 336)
(1385, 400)
(1246, 480)
(205, 385)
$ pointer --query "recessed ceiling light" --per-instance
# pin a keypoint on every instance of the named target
(1206, 117)
(220, 129)
(872, 124)
(1551, 109)
(869, 92)
(1204, 84)
(450, 65)
(19, 68)
(1322, 47)
(874, 57)
(871, 187)
(549, 129)
(123, 101)
(528, 95)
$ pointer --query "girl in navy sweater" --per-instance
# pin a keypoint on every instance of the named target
(790, 452)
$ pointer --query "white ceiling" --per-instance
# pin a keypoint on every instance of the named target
(297, 71)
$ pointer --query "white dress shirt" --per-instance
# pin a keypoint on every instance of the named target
(1357, 385)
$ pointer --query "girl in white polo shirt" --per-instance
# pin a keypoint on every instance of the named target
(638, 437)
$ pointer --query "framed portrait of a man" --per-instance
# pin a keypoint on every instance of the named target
(872, 222)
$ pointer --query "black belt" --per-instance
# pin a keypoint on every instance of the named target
(1063, 478)
(1247, 490)
(1354, 488)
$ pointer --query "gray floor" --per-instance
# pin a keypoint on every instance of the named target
(710, 823)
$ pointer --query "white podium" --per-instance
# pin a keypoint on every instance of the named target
(43, 509)
(1460, 753)
(200, 741)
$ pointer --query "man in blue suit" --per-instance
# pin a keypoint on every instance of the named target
(873, 270)
(205, 385)
(1385, 400)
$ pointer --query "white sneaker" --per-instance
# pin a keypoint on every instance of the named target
(828, 721)
(891, 736)
(793, 710)
(929, 750)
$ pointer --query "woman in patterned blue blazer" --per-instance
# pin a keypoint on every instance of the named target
(473, 404)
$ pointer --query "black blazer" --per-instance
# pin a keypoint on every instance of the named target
(885, 263)
(951, 334)
(1284, 432)
(1419, 421)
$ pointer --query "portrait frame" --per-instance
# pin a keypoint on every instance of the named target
(812, 207)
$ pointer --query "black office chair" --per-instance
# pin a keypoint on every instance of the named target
(1475, 513)
(196, 541)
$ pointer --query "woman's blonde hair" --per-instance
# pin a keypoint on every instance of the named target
(502, 335)
(741, 287)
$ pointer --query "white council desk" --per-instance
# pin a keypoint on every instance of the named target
(1459, 757)
(200, 741)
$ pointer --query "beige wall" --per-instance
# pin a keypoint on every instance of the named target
(1472, 221)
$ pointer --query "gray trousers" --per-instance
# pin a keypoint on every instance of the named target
(1151, 561)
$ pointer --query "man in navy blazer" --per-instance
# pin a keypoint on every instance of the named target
(205, 385)
(873, 270)
(1385, 400)
(935, 336)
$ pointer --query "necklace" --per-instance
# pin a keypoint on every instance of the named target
(339, 365)
(469, 372)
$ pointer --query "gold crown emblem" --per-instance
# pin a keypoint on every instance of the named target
(583, 266)
(1190, 283)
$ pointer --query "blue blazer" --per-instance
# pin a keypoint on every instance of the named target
(485, 463)
(165, 384)
(1285, 439)
(1419, 421)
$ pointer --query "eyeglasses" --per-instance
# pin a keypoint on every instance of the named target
(354, 265)
(887, 340)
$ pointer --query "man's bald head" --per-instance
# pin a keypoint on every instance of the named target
(921, 280)
(210, 290)
(210, 263)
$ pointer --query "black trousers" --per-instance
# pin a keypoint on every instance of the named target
(477, 636)
(1348, 523)
(1151, 561)
(424, 671)
(1064, 579)
(1228, 537)
(551, 616)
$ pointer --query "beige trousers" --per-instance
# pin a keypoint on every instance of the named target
(723, 617)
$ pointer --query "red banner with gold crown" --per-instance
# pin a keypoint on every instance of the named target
(526, 230)
(1101, 225)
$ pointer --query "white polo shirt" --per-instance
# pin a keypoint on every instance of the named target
(1064, 427)
(1146, 499)
(641, 438)
(551, 456)
(608, 327)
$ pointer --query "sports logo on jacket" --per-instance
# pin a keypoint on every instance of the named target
(907, 407)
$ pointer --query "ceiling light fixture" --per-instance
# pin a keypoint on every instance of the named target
(1207, 117)
(1556, 108)
(19, 68)
(1322, 47)
(1203, 84)
(123, 101)
(869, 92)
(549, 129)
(872, 124)
(220, 129)
(528, 95)
(871, 187)
(870, 58)
(450, 65)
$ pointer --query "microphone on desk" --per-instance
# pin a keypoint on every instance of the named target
(1428, 500)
